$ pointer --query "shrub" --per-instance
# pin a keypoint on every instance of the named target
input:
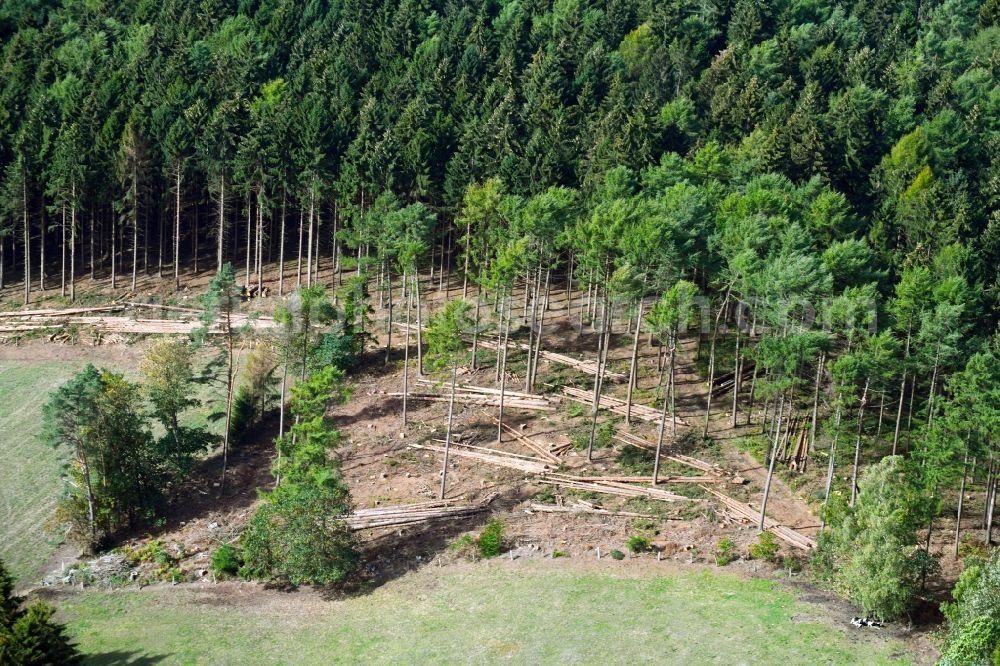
(766, 548)
(28, 635)
(725, 552)
(637, 544)
(877, 564)
(226, 560)
(295, 536)
(974, 617)
(617, 554)
(462, 543)
(491, 540)
(559, 553)
(243, 415)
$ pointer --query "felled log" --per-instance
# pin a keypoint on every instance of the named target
(582, 508)
(530, 443)
(498, 458)
(615, 405)
(748, 513)
(585, 366)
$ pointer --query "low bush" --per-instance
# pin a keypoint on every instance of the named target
(226, 560)
(491, 540)
(725, 552)
(766, 548)
(638, 544)
(617, 554)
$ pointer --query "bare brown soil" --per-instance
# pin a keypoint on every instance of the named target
(382, 470)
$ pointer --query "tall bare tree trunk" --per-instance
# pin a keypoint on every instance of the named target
(961, 502)
(222, 222)
(857, 442)
(633, 369)
(815, 410)
(420, 333)
(72, 245)
(281, 248)
(177, 228)
(711, 359)
(770, 467)
(406, 348)
(602, 357)
(309, 249)
(502, 359)
(902, 394)
(27, 237)
(298, 263)
(447, 436)
(62, 269)
(830, 465)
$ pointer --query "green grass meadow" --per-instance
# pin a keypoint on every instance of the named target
(29, 476)
(531, 613)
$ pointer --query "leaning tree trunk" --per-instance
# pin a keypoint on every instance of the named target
(420, 334)
(711, 360)
(602, 356)
(633, 370)
(659, 435)
(447, 436)
(902, 395)
(857, 443)
(737, 370)
(770, 467)
(815, 410)
(830, 466)
(502, 360)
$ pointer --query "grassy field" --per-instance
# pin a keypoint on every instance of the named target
(29, 475)
(524, 613)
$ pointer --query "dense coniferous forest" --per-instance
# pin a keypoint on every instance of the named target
(136, 136)
(818, 180)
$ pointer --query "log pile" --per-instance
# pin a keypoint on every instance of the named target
(466, 394)
(407, 514)
(103, 320)
(615, 405)
(747, 513)
(491, 456)
(725, 382)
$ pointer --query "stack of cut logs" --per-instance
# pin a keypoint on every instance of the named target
(102, 320)
(467, 394)
(407, 514)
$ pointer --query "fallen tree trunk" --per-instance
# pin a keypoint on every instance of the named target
(746, 512)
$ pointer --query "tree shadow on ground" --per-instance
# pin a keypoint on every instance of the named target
(123, 658)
